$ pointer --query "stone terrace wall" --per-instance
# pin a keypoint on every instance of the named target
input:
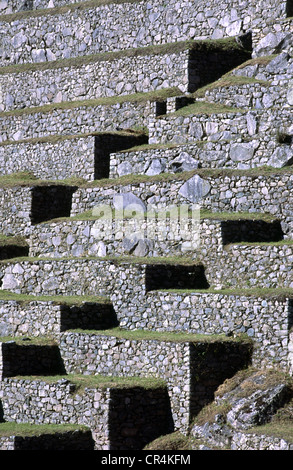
(213, 153)
(51, 160)
(41, 318)
(265, 320)
(101, 409)
(95, 79)
(219, 193)
(174, 362)
(86, 276)
(230, 125)
(92, 30)
(47, 318)
(250, 441)
(91, 238)
(78, 119)
(16, 209)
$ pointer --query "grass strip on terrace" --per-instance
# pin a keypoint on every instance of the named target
(157, 95)
(27, 178)
(279, 243)
(28, 429)
(117, 260)
(126, 180)
(90, 4)
(205, 108)
(204, 214)
(6, 240)
(83, 382)
(227, 81)
(281, 430)
(162, 336)
(29, 341)
(71, 300)
(53, 139)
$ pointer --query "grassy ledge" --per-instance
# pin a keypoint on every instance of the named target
(26, 178)
(83, 382)
(162, 336)
(27, 14)
(27, 429)
(159, 95)
(70, 300)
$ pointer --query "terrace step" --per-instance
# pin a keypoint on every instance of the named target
(48, 316)
(85, 117)
(122, 413)
(239, 191)
(183, 65)
(145, 235)
(28, 201)
(235, 153)
(128, 354)
(75, 28)
(70, 156)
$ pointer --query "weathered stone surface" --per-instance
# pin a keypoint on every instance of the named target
(195, 189)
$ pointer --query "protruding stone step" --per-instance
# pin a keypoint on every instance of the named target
(232, 153)
(192, 367)
(186, 65)
(97, 276)
(152, 234)
(48, 316)
(230, 191)
(16, 436)
(264, 315)
(62, 157)
(27, 201)
(82, 117)
(122, 413)
(215, 121)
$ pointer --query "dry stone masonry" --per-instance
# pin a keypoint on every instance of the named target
(146, 223)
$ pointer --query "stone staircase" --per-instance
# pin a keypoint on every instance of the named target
(146, 215)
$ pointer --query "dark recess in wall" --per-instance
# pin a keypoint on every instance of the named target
(31, 359)
(207, 64)
(166, 276)
(88, 316)
(210, 365)
(150, 410)
(13, 251)
(50, 202)
(289, 8)
(251, 231)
